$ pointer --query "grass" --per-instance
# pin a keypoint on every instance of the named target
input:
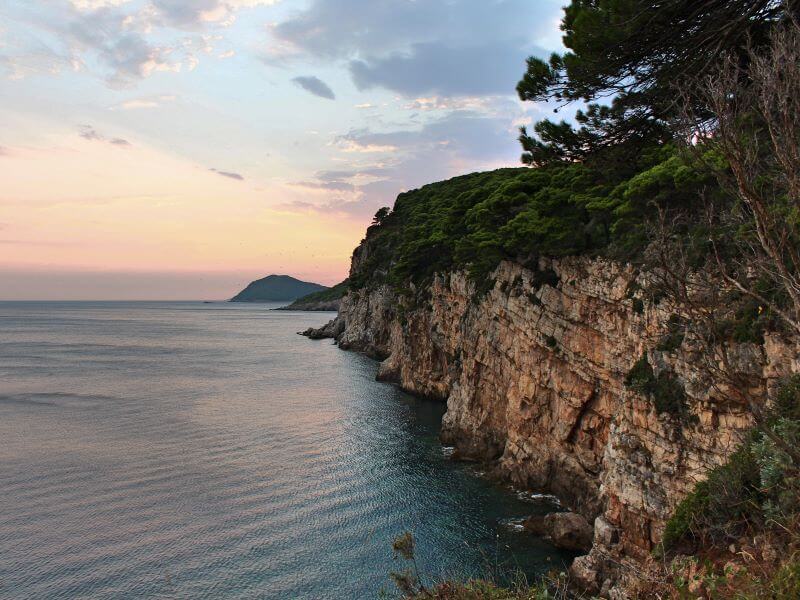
(479, 589)
(409, 582)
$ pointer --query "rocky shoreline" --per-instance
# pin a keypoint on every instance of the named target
(534, 379)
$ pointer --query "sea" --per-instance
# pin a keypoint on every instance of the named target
(205, 450)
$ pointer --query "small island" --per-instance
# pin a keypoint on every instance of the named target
(277, 288)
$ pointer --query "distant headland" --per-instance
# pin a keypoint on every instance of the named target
(277, 288)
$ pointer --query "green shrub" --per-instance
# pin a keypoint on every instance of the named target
(631, 289)
(665, 390)
(483, 287)
(674, 337)
(778, 474)
(545, 277)
(758, 487)
(749, 320)
(641, 376)
(787, 399)
(410, 584)
(785, 584)
(720, 508)
(683, 524)
(481, 589)
(670, 342)
(669, 396)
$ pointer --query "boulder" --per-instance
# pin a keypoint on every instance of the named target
(535, 524)
(584, 573)
(569, 531)
(605, 534)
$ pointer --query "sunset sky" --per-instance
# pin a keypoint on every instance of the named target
(177, 149)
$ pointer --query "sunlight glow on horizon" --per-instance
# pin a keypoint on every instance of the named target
(192, 147)
(199, 220)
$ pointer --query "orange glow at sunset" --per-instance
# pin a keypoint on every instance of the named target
(88, 205)
(173, 149)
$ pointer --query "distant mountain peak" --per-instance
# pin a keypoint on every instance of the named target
(277, 288)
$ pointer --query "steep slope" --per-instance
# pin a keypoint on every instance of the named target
(534, 380)
(535, 362)
(277, 288)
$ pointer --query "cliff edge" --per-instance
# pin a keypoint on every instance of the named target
(534, 373)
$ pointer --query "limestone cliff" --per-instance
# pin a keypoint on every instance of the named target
(533, 372)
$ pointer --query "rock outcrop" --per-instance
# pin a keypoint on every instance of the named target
(567, 530)
(533, 373)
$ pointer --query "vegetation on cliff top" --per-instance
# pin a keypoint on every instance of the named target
(477, 220)
(685, 147)
(326, 296)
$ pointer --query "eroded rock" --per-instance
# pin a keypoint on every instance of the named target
(569, 531)
(584, 573)
(534, 379)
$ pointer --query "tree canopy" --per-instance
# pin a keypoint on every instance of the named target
(474, 221)
(624, 59)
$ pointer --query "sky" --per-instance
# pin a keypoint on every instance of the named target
(177, 149)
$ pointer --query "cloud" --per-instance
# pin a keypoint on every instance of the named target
(143, 103)
(316, 86)
(430, 103)
(134, 104)
(348, 144)
(40, 60)
(192, 14)
(457, 142)
(433, 68)
(184, 13)
(417, 48)
(122, 41)
(228, 174)
(459, 135)
(111, 36)
(336, 186)
(88, 132)
(96, 4)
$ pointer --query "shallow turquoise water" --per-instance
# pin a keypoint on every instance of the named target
(188, 450)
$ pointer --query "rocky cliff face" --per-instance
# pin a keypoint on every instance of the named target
(533, 373)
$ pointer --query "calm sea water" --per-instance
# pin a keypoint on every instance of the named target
(188, 450)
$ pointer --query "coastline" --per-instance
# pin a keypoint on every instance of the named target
(534, 380)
